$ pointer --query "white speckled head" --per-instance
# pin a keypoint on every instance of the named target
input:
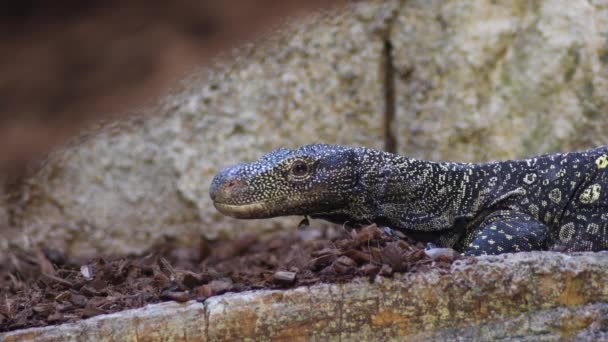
(310, 179)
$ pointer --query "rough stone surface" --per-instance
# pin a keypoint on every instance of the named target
(582, 323)
(474, 80)
(487, 80)
(526, 296)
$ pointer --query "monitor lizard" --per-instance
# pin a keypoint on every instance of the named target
(550, 202)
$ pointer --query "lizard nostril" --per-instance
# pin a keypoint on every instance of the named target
(231, 184)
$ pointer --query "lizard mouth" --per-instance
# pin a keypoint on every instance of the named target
(243, 211)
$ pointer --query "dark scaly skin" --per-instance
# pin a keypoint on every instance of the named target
(555, 201)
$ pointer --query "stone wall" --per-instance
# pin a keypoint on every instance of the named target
(459, 80)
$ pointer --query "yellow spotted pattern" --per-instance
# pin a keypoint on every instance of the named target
(602, 161)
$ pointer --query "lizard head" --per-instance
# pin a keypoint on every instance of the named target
(310, 180)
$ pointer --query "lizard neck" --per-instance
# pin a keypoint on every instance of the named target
(416, 195)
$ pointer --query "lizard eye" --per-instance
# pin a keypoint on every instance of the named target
(299, 168)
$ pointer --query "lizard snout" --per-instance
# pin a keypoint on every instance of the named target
(223, 187)
(234, 197)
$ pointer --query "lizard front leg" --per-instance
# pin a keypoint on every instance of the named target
(507, 232)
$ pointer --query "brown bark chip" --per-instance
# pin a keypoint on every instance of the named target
(38, 289)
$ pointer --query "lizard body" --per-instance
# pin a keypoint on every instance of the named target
(554, 201)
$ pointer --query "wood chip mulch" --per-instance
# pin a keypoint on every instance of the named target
(43, 287)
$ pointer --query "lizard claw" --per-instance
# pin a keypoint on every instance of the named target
(305, 223)
(430, 245)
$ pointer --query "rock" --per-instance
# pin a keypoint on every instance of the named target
(525, 296)
(486, 80)
(284, 277)
(437, 253)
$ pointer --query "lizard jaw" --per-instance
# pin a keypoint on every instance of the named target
(243, 211)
